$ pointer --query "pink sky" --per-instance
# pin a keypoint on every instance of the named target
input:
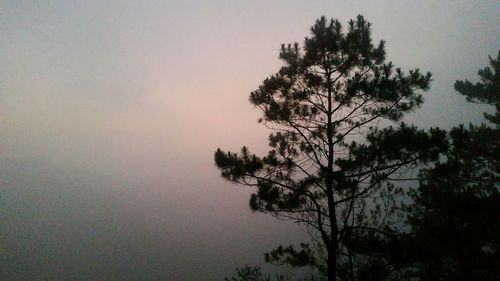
(128, 100)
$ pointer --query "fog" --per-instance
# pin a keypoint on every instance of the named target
(110, 114)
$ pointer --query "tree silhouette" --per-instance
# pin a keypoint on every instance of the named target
(456, 208)
(333, 147)
(254, 273)
(249, 273)
(487, 91)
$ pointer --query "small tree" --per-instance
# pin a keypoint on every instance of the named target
(249, 273)
(329, 152)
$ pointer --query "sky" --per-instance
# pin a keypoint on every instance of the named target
(110, 112)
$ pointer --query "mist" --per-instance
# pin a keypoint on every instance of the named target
(111, 112)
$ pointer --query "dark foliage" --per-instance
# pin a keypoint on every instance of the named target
(249, 273)
(487, 90)
(254, 273)
(455, 212)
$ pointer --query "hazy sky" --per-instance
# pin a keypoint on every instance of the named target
(110, 112)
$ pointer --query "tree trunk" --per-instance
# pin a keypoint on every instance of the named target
(332, 263)
(332, 246)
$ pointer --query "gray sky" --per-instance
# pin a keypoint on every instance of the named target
(111, 111)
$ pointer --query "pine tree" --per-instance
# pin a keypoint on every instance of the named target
(456, 208)
(487, 91)
(335, 108)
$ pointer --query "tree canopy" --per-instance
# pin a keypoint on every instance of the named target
(456, 208)
(335, 108)
(487, 90)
